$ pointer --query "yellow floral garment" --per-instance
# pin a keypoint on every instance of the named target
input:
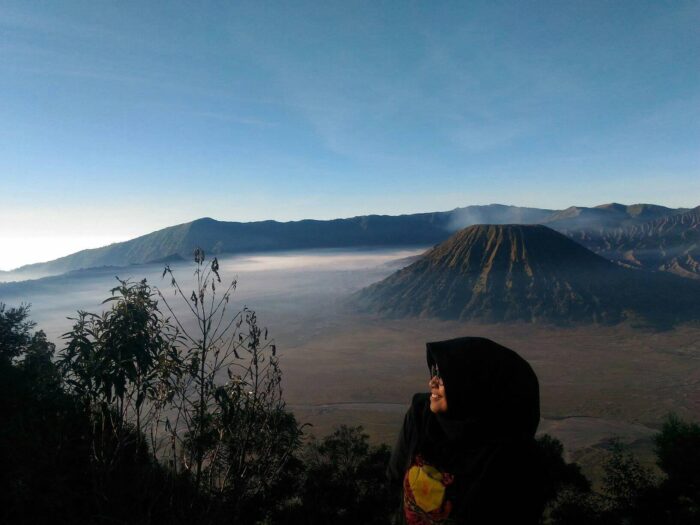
(425, 501)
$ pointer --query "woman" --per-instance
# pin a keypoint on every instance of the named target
(466, 452)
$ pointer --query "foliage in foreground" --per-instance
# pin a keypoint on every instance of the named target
(632, 494)
(144, 418)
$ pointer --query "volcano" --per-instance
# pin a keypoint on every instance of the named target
(528, 273)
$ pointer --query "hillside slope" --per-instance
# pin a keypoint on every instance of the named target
(668, 243)
(529, 273)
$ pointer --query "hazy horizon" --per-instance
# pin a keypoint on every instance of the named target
(118, 119)
(52, 248)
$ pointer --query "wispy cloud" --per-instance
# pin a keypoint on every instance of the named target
(459, 88)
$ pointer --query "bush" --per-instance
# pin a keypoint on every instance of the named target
(43, 437)
(143, 421)
(625, 481)
(559, 474)
(344, 481)
(677, 448)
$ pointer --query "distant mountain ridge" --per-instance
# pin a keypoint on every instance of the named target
(669, 243)
(219, 237)
(531, 273)
(607, 216)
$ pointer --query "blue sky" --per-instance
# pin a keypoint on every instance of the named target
(119, 118)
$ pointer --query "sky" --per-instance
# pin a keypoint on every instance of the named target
(120, 118)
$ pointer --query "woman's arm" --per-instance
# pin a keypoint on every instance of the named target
(399, 461)
(399, 454)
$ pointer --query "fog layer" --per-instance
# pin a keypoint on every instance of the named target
(281, 287)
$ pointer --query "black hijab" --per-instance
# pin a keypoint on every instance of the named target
(492, 393)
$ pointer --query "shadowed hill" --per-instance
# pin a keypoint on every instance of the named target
(528, 273)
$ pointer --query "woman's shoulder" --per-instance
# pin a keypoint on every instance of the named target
(420, 399)
(420, 406)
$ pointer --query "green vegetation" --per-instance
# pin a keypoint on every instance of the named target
(148, 416)
(632, 494)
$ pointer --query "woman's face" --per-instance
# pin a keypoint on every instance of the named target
(438, 401)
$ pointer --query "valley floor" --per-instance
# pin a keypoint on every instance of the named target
(596, 383)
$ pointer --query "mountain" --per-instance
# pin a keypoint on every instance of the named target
(669, 243)
(606, 216)
(530, 273)
(219, 237)
(421, 229)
